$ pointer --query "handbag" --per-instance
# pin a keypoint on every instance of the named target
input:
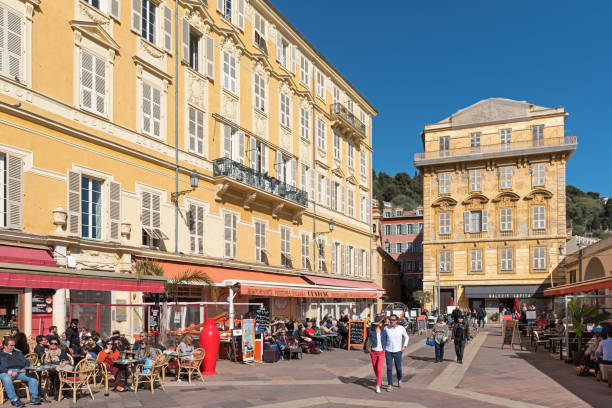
(367, 347)
(430, 341)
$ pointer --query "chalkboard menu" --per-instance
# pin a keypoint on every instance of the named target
(262, 319)
(356, 333)
(154, 315)
(421, 323)
(42, 302)
(510, 334)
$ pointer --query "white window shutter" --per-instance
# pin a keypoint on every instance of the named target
(12, 46)
(227, 141)
(185, 40)
(210, 57)
(279, 46)
(145, 209)
(241, 14)
(238, 147)
(264, 159)
(114, 210)
(87, 80)
(333, 257)
(115, 9)
(328, 191)
(167, 27)
(293, 58)
(220, 6)
(253, 151)
(279, 161)
(293, 172)
(14, 192)
(137, 16)
(312, 184)
(155, 211)
(74, 203)
(466, 221)
(342, 200)
(485, 220)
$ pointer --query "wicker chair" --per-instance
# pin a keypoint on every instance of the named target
(192, 365)
(149, 374)
(102, 375)
(32, 358)
(163, 360)
(77, 379)
(19, 385)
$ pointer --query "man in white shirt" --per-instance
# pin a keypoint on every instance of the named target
(397, 340)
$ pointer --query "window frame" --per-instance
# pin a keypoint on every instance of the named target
(230, 244)
(444, 223)
(100, 203)
(538, 178)
(196, 237)
(538, 255)
(305, 247)
(363, 162)
(476, 262)
(321, 134)
(538, 214)
(304, 124)
(150, 116)
(444, 264)
(505, 177)
(444, 182)
(285, 110)
(230, 77)
(153, 34)
(197, 126)
(260, 240)
(506, 264)
(505, 136)
(475, 180)
(506, 220)
(259, 92)
(337, 146)
(350, 155)
(285, 249)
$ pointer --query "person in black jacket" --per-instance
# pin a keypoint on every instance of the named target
(12, 367)
(42, 345)
(460, 336)
(73, 342)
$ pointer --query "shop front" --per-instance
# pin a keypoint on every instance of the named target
(495, 297)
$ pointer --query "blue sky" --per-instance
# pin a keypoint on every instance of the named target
(420, 61)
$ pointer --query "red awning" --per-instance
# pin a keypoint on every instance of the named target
(320, 280)
(580, 287)
(26, 256)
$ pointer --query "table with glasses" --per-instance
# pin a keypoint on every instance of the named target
(39, 370)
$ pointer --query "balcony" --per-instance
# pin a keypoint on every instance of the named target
(557, 144)
(256, 185)
(346, 123)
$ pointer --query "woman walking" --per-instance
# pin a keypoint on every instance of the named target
(439, 334)
(460, 336)
(378, 338)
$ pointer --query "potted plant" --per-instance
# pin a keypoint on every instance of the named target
(581, 314)
(422, 297)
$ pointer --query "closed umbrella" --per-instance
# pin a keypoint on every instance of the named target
(452, 302)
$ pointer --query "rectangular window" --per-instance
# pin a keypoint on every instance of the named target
(410, 229)
(505, 219)
(91, 208)
(320, 85)
(194, 51)
(362, 162)
(539, 217)
(260, 33)
(398, 248)
(445, 262)
(476, 260)
(388, 247)
(304, 70)
(351, 202)
(476, 221)
(538, 174)
(507, 259)
(475, 180)
(387, 230)
(321, 249)
(475, 140)
(321, 136)
(196, 130)
(320, 182)
(93, 83)
(444, 183)
(537, 135)
(282, 51)
(539, 258)
(444, 143)
(11, 40)
(229, 72)
(364, 209)
(505, 136)
(150, 217)
(148, 20)
(505, 177)
(260, 242)
(362, 262)
(337, 146)
(304, 124)
(226, 9)
(336, 257)
(350, 154)
(350, 255)
(95, 3)
(305, 251)
(304, 177)
(230, 235)
(398, 229)
(196, 228)
(445, 223)
(285, 110)
(259, 86)
(151, 110)
(286, 247)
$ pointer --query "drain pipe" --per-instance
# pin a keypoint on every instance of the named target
(315, 177)
(176, 131)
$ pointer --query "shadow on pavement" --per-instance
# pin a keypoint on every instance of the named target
(370, 383)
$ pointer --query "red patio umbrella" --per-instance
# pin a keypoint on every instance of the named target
(517, 307)
(452, 303)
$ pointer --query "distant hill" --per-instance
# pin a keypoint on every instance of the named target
(587, 213)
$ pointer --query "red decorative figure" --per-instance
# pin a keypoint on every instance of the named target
(209, 341)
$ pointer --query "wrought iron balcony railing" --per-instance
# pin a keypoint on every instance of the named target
(341, 110)
(226, 167)
(539, 144)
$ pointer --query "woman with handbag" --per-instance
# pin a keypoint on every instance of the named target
(439, 336)
(375, 345)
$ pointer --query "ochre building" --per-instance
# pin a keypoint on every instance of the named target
(494, 203)
(102, 101)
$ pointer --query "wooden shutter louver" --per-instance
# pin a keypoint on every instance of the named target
(14, 190)
(114, 210)
(137, 16)
(253, 151)
(74, 202)
(466, 221)
(155, 211)
(210, 57)
(185, 40)
(167, 28)
(86, 80)
(145, 209)
(13, 45)
(115, 9)
(241, 14)
(192, 227)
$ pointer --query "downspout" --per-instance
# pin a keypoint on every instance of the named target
(315, 176)
(176, 131)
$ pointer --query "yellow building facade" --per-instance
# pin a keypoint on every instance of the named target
(107, 109)
(494, 203)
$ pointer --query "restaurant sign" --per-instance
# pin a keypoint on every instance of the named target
(306, 293)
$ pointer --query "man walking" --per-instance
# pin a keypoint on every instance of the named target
(397, 340)
(481, 315)
(460, 336)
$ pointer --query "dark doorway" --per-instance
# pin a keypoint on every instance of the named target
(445, 298)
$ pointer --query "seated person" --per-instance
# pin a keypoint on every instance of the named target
(42, 344)
(302, 338)
(284, 342)
(541, 322)
(185, 346)
(321, 341)
(57, 357)
(91, 347)
(108, 356)
(142, 336)
(123, 344)
(12, 367)
(52, 333)
(145, 352)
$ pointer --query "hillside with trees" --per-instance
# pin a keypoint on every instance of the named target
(587, 213)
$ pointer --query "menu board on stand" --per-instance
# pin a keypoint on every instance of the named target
(262, 319)
(248, 340)
(154, 315)
(356, 334)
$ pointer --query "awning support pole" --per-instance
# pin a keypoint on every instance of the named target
(231, 307)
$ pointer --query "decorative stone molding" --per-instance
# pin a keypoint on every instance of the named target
(305, 153)
(96, 16)
(285, 138)
(286, 88)
(229, 106)
(150, 48)
(261, 123)
(248, 200)
(249, 11)
(59, 219)
(261, 70)
(196, 21)
(306, 104)
(126, 230)
(228, 44)
(197, 90)
(297, 217)
(220, 190)
(277, 209)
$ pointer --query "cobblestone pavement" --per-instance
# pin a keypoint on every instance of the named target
(488, 377)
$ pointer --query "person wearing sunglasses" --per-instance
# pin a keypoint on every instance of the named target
(57, 357)
(397, 340)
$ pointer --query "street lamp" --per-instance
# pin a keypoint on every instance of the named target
(194, 179)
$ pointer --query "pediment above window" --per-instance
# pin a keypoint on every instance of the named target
(351, 179)
(94, 32)
(444, 203)
(506, 196)
(539, 195)
(199, 19)
(262, 67)
(474, 199)
(231, 42)
(338, 172)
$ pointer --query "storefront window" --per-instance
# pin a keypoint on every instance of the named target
(8, 312)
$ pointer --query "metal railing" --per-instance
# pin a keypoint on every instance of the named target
(341, 110)
(498, 148)
(226, 167)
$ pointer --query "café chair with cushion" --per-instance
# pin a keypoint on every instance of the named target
(77, 379)
(149, 374)
(192, 365)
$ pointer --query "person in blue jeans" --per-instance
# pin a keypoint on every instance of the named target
(12, 367)
(440, 334)
(397, 340)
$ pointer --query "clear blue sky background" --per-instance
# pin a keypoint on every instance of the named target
(420, 61)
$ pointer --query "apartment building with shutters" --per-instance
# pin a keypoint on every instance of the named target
(92, 133)
(494, 202)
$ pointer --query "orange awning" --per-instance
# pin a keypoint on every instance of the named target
(580, 287)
